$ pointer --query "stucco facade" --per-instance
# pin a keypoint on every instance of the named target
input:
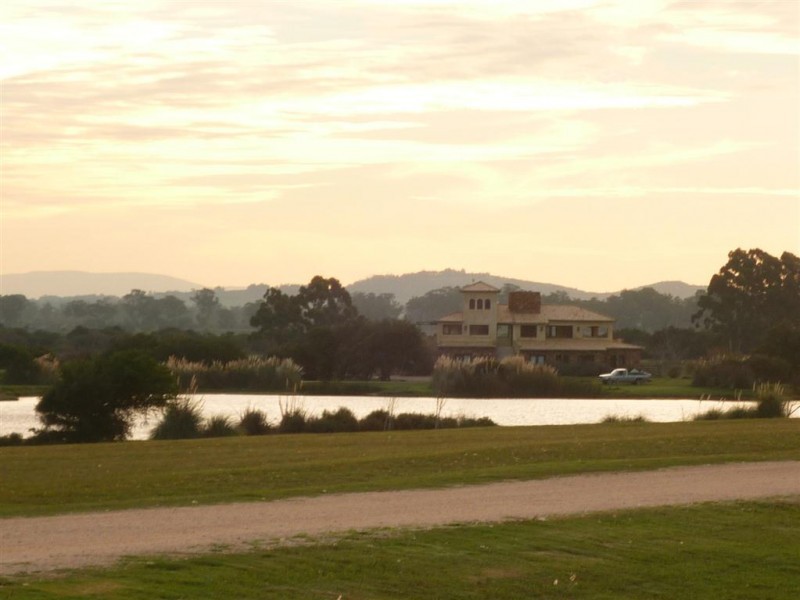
(551, 334)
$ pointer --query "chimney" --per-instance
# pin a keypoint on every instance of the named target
(525, 302)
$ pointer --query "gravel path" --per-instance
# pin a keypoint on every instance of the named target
(35, 544)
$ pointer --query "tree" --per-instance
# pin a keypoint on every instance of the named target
(139, 309)
(321, 303)
(398, 346)
(96, 399)
(376, 307)
(434, 305)
(208, 307)
(13, 309)
(324, 303)
(278, 317)
(17, 365)
(751, 293)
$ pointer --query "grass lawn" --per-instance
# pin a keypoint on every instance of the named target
(659, 387)
(663, 387)
(40, 480)
(711, 551)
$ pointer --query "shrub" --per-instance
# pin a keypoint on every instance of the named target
(219, 426)
(724, 371)
(293, 421)
(333, 422)
(771, 401)
(377, 420)
(252, 373)
(183, 419)
(12, 439)
(770, 368)
(405, 421)
(624, 419)
(512, 377)
(254, 422)
(97, 399)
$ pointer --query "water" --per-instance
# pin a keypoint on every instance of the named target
(20, 416)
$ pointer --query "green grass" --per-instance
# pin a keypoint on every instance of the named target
(663, 387)
(732, 551)
(40, 480)
(659, 387)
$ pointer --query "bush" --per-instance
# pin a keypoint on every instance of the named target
(510, 378)
(97, 399)
(219, 426)
(619, 419)
(377, 420)
(183, 419)
(254, 422)
(333, 422)
(12, 439)
(770, 368)
(771, 404)
(405, 421)
(255, 373)
(725, 372)
(293, 421)
(771, 401)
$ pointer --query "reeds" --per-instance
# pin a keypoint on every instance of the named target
(254, 373)
(511, 377)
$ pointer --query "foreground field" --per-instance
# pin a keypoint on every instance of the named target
(732, 551)
(59, 479)
(33, 544)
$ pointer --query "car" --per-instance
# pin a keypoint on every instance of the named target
(634, 376)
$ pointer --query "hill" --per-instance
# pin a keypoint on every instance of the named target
(71, 284)
(81, 283)
(407, 286)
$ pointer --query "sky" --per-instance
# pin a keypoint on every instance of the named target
(597, 144)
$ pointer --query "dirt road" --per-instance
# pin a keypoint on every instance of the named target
(67, 541)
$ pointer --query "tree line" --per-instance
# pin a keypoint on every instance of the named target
(752, 305)
(138, 311)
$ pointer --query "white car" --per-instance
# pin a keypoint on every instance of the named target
(634, 376)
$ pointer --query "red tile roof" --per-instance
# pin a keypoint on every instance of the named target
(479, 286)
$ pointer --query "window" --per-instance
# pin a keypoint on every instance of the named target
(479, 330)
(504, 331)
(480, 304)
(451, 329)
(527, 331)
(559, 331)
(472, 303)
(487, 304)
(594, 331)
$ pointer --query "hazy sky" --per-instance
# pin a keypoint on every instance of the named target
(599, 144)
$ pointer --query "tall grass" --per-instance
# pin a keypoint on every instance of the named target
(511, 377)
(771, 403)
(256, 373)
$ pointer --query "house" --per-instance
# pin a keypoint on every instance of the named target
(543, 334)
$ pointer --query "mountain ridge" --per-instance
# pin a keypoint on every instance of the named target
(38, 284)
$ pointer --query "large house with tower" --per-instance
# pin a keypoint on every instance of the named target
(543, 334)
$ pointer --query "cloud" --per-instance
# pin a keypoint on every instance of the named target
(460, 112)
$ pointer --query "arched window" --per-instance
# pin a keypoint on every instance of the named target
(472, 303)
(480, 304)
(488, 304)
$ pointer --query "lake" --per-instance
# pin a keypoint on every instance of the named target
(20, 416)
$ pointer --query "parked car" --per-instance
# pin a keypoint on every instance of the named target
(634, 376)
